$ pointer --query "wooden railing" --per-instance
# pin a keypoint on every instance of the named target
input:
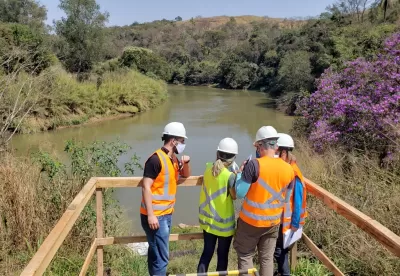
(52, 243)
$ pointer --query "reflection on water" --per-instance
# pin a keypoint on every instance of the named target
(208, 115)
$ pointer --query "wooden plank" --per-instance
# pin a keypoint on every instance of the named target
(135, 239)
(48, 249)
(131, 182)
(379, 232)
(89, 258)
(99, 228)
(293, 257)
(321, 256)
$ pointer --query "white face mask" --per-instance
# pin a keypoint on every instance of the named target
(180, 148)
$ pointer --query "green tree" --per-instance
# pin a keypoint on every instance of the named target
(23, 47)
(145, 61)
(28, 12)
(178, 18)
(295, 71)
(83, 34)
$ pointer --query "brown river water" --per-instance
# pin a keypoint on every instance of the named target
(208, 115)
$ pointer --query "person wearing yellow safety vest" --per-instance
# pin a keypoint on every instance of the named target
(161, 173)
(216, 210)
(294, 213)
(258, 225)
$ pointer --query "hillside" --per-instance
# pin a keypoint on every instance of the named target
(250, 52)
(217, 21)
(152, 34)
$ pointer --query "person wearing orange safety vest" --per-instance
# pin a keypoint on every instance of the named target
(294, 213)
(216, 210)
(161, 173)
(269, 179)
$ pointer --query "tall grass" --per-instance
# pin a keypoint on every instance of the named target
(63, 101)
(36, 191)
(367, 186)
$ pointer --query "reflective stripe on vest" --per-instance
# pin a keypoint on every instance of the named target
(217, 228)
(287, 224)
(268, 203)
(280, 196)
(288, 209)
(220, 223)
(214, 215)
(264, 202)
(164, 203)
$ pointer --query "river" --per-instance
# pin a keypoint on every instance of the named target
(208, 115)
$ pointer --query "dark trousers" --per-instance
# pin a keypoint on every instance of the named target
(210, 242)
(282, 255)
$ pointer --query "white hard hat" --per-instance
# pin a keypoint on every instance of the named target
(285, 141)
(175, 129)
(266, 132)
(228, 145)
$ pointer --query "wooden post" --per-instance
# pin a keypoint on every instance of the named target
(99, 226)
(293, 257)
(322, 257)
(89, 258)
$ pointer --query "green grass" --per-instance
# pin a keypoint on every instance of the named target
(184, 258)
(307, 267)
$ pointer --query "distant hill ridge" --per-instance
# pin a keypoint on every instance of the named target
(217, 21)
(246, 19)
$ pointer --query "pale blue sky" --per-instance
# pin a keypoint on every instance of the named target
(125, 12)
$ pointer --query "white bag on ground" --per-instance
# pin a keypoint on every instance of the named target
(139, 248)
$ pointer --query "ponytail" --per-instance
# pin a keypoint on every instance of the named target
(222, 163)
(217, 168)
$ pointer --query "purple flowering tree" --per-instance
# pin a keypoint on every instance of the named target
(358, 107)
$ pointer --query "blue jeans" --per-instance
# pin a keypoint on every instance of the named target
(158, 253)
(282, 255)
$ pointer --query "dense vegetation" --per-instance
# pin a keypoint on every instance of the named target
(267, 55)
(358, 107)
(36, 190)
(58, 80)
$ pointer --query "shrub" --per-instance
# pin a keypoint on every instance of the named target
(146, 62)
(358, 108)
(22, 47)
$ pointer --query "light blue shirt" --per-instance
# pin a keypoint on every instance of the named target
(298, 202)
(241, 187)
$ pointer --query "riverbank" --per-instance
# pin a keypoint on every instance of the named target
(61, 101)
